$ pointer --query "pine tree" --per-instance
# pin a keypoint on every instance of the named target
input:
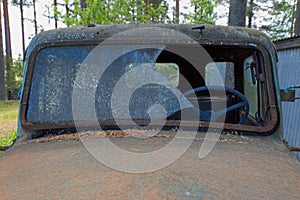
(297, 20)
(203, 12)
(21, 4)
(282, 20)
(114, 12)
(9, 77)
(237, 13)
(2, 75)
(34, 17)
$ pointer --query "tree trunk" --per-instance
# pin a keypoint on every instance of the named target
(250, 14)
(34, 17)
(2, 81)
(7, 43)
(237, 13)
(55, 15)
(22, 26)
(83, 3)
(297, 21)
(146, 7)
(177, 12)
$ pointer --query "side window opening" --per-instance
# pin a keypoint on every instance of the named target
(219, 74)
(253, 87)
(250, 85)
(170, 71)
(223, 74)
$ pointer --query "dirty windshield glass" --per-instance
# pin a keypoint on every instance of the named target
(238, 96)
(53, 81)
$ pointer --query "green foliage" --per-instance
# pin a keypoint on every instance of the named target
(8, 122)
(15, 76)
(282, 19)
(8, 139)
(8, 112)
(114, 12)
(203, 12)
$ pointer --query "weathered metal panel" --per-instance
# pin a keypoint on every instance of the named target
(289, 73)
(237, 168)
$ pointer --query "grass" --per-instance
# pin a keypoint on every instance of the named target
(8, 122)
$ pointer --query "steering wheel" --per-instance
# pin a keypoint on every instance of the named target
(208, 115)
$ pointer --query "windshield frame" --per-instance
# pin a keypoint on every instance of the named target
(261, 130)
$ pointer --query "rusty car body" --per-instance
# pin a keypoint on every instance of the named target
(249, 161)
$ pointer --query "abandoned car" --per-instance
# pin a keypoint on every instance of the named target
(150, 112)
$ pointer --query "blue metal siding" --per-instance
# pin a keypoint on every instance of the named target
(289, 74)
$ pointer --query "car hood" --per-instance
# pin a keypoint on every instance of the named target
(238, 167)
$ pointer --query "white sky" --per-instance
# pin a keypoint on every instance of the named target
(46, 24)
